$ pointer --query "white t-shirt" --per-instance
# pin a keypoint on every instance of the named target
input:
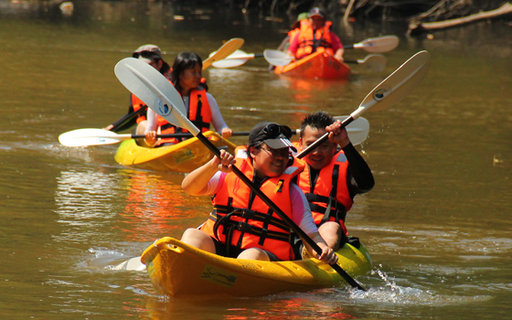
(301, 213)
(217, 120)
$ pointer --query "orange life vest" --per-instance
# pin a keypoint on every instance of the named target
(137, 104)
(242, 220)
(309, 41)
(199, 114)
(328, 196)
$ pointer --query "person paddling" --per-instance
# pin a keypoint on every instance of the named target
(241, 224)
(315, 35)
(332, 177)
(152, 55)
(202, 108)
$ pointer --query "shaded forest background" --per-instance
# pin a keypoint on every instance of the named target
(379, 10)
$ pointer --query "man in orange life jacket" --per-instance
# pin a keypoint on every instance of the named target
(242, 225)
(152, 55)
(315, 35)
(332, 177)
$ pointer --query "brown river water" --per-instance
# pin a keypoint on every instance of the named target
(437, 223)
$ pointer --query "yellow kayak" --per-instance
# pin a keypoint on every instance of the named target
(177, 269)
(181, 157)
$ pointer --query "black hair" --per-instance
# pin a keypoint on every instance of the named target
(317, 120)
(184, 61)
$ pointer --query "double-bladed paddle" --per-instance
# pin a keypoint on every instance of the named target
(357, 132)
(225, 50)
(147, 84)
(374, 62)
(390, 91)
(372, 45)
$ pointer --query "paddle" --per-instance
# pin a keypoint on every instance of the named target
(147, 84)
(391, 90)
(236, 59)
(224, 51)
(375, 45)
(358, 131)
(374, 62)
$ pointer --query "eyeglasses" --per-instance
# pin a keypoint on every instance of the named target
(273, 130)
(283, 152)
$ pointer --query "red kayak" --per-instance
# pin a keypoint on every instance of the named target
(317, 65)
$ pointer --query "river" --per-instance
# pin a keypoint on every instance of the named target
(436, 224)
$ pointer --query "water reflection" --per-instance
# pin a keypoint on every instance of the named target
(157, 207)
(285, 306)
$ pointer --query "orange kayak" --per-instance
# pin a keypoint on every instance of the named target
(317, 65)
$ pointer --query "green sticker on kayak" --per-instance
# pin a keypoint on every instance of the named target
(219, 276)
(183, 155)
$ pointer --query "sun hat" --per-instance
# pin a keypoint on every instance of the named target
(272, 134)
(147, 53)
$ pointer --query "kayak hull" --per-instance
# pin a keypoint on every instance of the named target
(319, 65)
(177, 269)
(182, 157)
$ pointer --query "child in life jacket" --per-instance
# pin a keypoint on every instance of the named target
(201, 107)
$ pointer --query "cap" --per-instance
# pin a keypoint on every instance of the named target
(147, 53)
(316, 12)
(272, 134)
(301, 16)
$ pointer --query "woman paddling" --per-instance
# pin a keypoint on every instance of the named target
(241, 224)
(202, 109)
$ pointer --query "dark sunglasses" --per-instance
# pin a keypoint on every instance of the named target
(146, 55)
(273, 130)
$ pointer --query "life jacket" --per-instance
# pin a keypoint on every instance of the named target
(328, 196)
(137, 104)
(242, 220)
(199, 114)
(309, 42)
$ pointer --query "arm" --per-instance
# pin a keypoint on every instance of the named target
(196, 183)
(301, 215)
(151, 127)
(294, 45)
(217, 120)
(337, 47)
(360, 170)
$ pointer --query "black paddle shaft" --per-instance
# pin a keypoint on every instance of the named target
(280, 213)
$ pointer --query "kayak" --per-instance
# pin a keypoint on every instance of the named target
(317, 65)
(182, 157)
(177, 269)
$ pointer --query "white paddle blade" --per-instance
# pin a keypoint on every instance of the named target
(374, 62)
(276, 57)
(357, 130)
(380, 44)
(132, 264)
(155, 90)
(235, 59)
(91, 137)
(397, 85)
(224, 51)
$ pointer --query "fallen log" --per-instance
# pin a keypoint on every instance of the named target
(416, 25)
